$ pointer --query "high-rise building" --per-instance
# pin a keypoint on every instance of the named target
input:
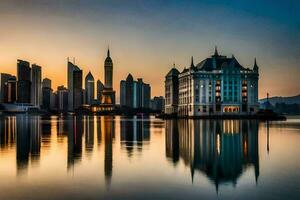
(62, 99)
(108, 70)
(108, 94)
(129, 91)
(100, 88)
(77, 89)
(23, 82)
(36, 85)
(46, 93)
(70, 77)
(134, 94)
(217, 85)
(171, 91)
(89, 88)
(4, 78)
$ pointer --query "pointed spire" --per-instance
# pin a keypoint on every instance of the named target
(255, 65)
(173, 64)
(216, 51)
(108, 53)
(192, 62)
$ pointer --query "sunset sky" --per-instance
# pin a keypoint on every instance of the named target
(146, 37)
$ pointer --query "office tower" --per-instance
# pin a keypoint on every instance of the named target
(24, 82)
(123, 93)
(36, 85)
(89, 88)
(218, 84)
(62, 99)
(4, 79)
(46, 93)
(72, 70)
(77, 89)
(100, 88)
(134, 94)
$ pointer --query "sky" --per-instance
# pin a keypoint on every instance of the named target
(146, 37)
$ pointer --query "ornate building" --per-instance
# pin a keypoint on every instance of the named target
(217, 85)
(108, 94)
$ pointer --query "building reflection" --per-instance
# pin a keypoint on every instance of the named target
(220, 149)
(75, 133)
(135, 131)
(108, 131)
(89, 133)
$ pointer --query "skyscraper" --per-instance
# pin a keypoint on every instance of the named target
(46, 93)
(108, 94)
(134, 94)
(108, 68)
(24, 82)
(36, 85)
(71, 68)
(62, 99)
(89, 88)
(77, 89)
(129, 91)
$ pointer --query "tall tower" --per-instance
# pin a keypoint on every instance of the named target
(108, 68)
(89, 88)
(36, 85)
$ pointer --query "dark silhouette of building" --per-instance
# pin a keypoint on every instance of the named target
(7, 88)
(108, 94)
(157, 104)
(89, 88)
(62, 99)
(77, 89)
(46, 94)
(23, 82)
(134, 94)
(36, 85)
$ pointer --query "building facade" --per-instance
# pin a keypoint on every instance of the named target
(89, 88)
(100, 88)
(73, 69)
(108, 99)
(217, 85)
(134, 94)
(171, 91)
(23, 82)
(7, 88)
(36, 85)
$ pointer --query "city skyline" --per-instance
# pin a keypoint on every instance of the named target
(147, 37)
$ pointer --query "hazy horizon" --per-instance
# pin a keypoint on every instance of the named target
(147, 37)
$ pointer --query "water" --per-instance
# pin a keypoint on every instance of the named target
(146, 158)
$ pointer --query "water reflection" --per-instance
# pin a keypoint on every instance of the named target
(220, 149)
(135, 131)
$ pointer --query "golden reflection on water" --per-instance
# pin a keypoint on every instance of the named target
(101, 154)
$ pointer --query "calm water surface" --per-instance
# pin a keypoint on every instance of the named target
(88, 157)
